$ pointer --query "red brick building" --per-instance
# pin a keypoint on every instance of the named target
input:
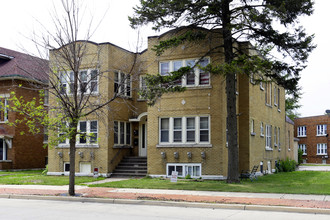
(25, 75)
(314, 140)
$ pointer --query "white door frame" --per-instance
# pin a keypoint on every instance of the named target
(143, 138)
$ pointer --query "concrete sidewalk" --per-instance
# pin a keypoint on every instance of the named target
(232, 200)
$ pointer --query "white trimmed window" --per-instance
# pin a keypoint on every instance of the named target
(89, 132)
(268, 93)
(301, 131)
(278, 98)
(122, 84)
(252, 128)
(322, 149)
(122, 133)
(194, 170)
(268, 137)
(303, 148)
(261, 129)
(278, 138)
(321, 130)
(87, 81)
(275, 96)
(196, 77)
(184, 130)
(275, 136)
(4, 108)
(143, 85)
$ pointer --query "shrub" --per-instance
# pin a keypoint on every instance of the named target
(300, 153)
(286, 165)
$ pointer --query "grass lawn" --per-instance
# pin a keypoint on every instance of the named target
(34, 177)
(298, 182)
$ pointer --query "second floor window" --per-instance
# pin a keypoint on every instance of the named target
(122, 84)
(89, 132)
(321, 130)
(195, 77)
(4, 109)
(301, 131)
(87, 81)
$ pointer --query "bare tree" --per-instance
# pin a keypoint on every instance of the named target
(76, 79)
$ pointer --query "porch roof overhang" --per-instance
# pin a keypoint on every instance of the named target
(139, 117)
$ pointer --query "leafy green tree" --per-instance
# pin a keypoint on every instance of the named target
(268, 24)
(292, 105)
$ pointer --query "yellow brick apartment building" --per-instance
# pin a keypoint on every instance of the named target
(183, 132)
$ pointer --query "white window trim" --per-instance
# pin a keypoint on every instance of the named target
(124, 84)
(125, 133)
(262, 129)
(184, 80)
(301, 131)
(321, 130)
(141, 87)
(184, 131)
(87, 144)
(252, 128)
(323, 147)
(303, 148)
(5, 110)
(268, 138)
(88, 132)
(67, 81)
(184, 165)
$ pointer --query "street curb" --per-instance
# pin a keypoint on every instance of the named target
(171, 203)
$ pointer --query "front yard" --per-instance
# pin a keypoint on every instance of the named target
(35, 177)
(298, 182)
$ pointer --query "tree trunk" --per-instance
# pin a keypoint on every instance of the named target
(72, 165)
(233, 163)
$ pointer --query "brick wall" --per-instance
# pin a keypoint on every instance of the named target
(311, 139)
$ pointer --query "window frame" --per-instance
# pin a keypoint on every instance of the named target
(66, 80)
(184, 130)
(302, 131)
(124, 86)
(321, 149)
(196, 71)
(303, 147)
(123, 133)
(184, 169)
(268, 137)
(321, 130)
(4, 111)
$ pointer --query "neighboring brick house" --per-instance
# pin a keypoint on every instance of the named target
(20, 73)
(314, 138)
(184, 132)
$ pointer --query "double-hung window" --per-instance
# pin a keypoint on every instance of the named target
(196, 77)
(184, 130)
(122, 133)
(301, 131)
(322, 149)
(268, 94)
(303, 148)
(275, 134)
(87, 81)
(122, 84)
(88, 132)
(4, 108)
(321, 130)
(268, 137)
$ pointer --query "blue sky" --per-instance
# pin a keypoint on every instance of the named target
(18, 24)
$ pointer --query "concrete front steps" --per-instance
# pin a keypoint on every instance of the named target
(131, 167)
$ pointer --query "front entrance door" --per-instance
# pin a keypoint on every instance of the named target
(143, 139)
